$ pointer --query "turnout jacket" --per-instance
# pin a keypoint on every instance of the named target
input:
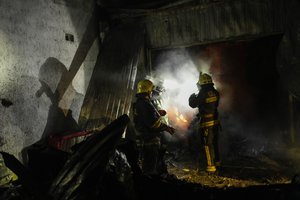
(207, 101)
(146, 117)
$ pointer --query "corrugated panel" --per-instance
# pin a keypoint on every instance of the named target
(112, 83)
(217, 21)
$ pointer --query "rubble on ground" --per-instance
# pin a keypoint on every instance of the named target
(101, 167)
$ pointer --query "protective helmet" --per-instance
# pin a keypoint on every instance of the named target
(204, 79)
(144, 86)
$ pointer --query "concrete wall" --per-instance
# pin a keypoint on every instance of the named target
(33, 48)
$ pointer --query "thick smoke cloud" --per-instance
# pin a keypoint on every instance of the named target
(178, 74)
(250, 119)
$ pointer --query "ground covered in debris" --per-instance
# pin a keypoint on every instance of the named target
(235, 172)
(195, 175)
(105, 166)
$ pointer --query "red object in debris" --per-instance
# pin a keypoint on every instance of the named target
(58, 141)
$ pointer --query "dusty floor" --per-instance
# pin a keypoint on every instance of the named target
(219, 181)
(240, 172)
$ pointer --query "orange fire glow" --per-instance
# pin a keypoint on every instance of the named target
(179, 120)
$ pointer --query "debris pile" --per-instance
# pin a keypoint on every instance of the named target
(104, 167)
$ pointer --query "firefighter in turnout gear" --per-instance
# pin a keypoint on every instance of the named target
(207, 101)
(149, 126)
(157, 101)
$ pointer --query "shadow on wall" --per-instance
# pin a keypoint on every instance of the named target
(60, 119)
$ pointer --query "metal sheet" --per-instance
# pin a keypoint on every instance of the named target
(111, 87)
(214, 21)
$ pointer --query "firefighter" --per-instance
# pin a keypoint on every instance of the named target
(149, 126)
(157, 101)
(207, 101)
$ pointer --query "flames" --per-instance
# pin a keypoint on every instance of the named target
(179, 120)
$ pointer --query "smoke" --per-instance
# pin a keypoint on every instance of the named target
(253, 112)
(250, 116)
(178, 74)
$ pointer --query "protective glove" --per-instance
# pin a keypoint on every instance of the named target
(162, 112)
(170, 130)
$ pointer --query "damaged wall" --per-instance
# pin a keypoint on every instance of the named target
(112, 85)
(186, 25)
(33, 48)
(215, 21)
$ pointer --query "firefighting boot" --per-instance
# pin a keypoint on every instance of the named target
(211, 168)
